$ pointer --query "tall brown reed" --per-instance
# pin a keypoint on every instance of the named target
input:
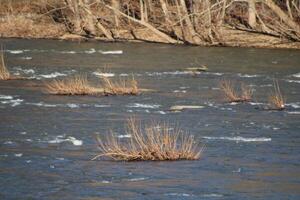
(276, 99)
(4, 73)
(151, 142)
(231, 94)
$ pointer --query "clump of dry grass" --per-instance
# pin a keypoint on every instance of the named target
(77, 85)
(154, 142)
(4, 73)
(122, 87)
(231, 93)
(276, 99)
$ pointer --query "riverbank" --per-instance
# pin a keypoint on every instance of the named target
(54, 20)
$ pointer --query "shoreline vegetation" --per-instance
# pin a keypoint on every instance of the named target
(247, 23)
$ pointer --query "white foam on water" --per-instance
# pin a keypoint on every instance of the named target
(171, 73)
(292, 81)
(212, 195)
(140, 105)
(68, 52)
(239, 139)
(15, 51)
(13, 102)
(106, 182)
(266, 85)
(18, 154)
(255, 103)
(296, 75)
(90, 51)
(61, 139)
(161, 112)
(294, 112)
(115, 52)
(52, 75)
(6, 97)
(248, 75)
(101, 106)
(214, 73)
(294, 105)
(137, 179)
(28, 140)
(104, 74)
(23, 133)
(233, 103)
(124, 136)
(178, 194)
(41, 104)
(28, 161)
(25, 71)
(179, 91)
(72, 105)
(8, 142)
(123, 74)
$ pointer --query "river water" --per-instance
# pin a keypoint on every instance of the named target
(47, 141)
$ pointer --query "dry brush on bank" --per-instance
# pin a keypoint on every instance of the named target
(200, 22)
(233, 95)
(151, 142)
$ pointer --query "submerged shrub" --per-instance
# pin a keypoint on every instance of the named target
(77, 85)
(231, 93)
(276, 99)
(151, 142)
(122, 87)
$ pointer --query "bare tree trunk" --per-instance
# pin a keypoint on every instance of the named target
(194, 36)
(116, 4)
(251, 13)
(208, 19)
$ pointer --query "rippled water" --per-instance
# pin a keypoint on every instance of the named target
(47, 141)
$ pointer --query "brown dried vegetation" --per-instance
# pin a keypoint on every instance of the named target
(123, 87)
(154, 142)
(276, 99)
(4, 73)
(77, 85)
(231, 93)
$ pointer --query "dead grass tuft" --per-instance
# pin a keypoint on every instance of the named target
(231, 93)
(77, 85)
(4, 73)
(276, 99)
(122, 87)
(154, 142)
